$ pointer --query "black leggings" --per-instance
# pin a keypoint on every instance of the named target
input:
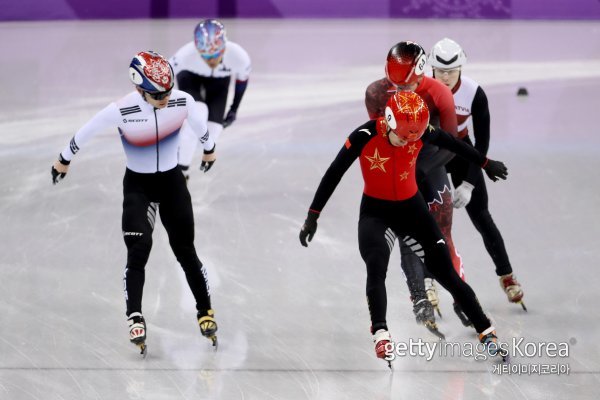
(211, 91)
(480, 215)
(142, 195)
(379, 221)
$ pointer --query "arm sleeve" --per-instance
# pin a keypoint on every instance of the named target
(240, 88)
(197, 117)
(449, 123)
(346, 156)
(480, 114)
(447, 141)
(103, 120)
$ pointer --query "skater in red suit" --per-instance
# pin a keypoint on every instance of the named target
(405, 66)
(387, 149)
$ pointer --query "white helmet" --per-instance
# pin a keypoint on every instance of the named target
(447, 54)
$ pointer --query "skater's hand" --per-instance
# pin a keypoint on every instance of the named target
(462, 194)
(59, 169)
(495, 170)
(207, 161)
(231, 114)
(309, 228)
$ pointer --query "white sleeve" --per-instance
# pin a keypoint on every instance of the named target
(197, 117)
(246, 66)
(102, 121)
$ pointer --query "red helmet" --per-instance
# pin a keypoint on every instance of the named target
(407, 115)
(405, 63)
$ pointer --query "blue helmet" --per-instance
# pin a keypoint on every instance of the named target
(210, 38)
(151, 72)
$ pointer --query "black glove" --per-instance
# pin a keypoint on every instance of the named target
(206, 165)
(57, 176)
(309, 228)
(495, 170)
(229, 118)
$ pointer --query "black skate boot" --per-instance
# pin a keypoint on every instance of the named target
(461, 315)
(137, 331)
(208, 325)
(424, 314)
(489, 339)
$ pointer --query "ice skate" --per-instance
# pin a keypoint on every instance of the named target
(461, 315)
(513, 289)
(381, 338)
(208, 325)
(137, 332)
(432, 295)
(424, 315)
(489, 339)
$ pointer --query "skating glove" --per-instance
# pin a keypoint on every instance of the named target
(229, 118)
(309, 228)
(59, 169)
(495, 169)
(462, 194)
(208, 159)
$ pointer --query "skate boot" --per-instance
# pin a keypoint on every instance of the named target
(137, 331)
(208, 325)
(381, 338)
(424, 315)
(461, 315)
(432, 295)
(490, 341)
(513, 290)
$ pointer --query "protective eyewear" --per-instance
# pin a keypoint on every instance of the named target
(211, 56)
(159, 95)
(450, 71)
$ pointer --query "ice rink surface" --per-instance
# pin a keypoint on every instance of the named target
(293, 321)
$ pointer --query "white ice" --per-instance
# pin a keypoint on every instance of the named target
(293, 321)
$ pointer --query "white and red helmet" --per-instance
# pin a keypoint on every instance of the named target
(151, 72)
(405, 63)
(407, 115)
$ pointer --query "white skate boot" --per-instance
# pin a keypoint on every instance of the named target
(137, 331)
(513, 289)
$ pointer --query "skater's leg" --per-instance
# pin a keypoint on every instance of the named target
(178, 219)
(482, 220)
(438, 197)
(439, 263)
(375, 250)
(137, 224)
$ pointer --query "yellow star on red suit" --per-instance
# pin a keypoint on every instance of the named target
(377, 162)
(404, 176)
(412, 148)
(412, 162)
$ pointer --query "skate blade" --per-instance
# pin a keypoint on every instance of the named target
(214, 340)
(522, 305)
(143, 349)
(390, 366)
(432, 327)
(437, 309)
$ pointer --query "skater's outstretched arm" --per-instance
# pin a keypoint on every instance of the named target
(494, 169)
(346, 156)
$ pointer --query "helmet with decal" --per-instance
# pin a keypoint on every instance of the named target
(151, 72)
(407, 115)
(447, 54)
(210, 38)
(405, 63)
